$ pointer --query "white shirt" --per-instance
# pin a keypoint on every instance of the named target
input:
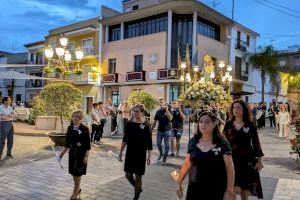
(6, 110)
(283, 117)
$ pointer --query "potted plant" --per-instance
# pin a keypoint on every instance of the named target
(48, 70)
(61, 99)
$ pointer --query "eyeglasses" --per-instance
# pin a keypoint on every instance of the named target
(136, 111)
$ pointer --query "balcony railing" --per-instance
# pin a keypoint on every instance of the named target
(85, 78)
(135, 76)
(241, 45)
(168, 74)
(109, 78)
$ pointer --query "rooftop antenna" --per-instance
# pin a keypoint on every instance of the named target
(77, 17)
(215, 3)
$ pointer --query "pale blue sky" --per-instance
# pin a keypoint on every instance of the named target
(26, 21)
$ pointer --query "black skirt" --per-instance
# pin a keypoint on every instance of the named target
(76, 165)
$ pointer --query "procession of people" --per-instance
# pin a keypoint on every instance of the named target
(224, 145)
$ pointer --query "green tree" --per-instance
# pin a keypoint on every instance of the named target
(37, 109)
(61, 99)
(266, 61)
(142, 97)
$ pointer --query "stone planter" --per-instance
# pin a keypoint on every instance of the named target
(50, 123)
(59, 139)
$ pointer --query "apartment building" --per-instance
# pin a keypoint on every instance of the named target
(83, 35)
(36, 61)
(289, 60)
(12, 60)
(138, 48)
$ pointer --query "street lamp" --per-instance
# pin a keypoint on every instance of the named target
(63, 63)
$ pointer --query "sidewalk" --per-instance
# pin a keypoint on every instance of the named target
(44, 179)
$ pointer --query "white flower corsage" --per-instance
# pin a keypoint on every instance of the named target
(142, 126)
(79, 132)
(216, 150)
(246, 129)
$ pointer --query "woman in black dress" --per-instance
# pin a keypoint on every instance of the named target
(246, 150)
(78, 141)
(209, 163)
(138, 140)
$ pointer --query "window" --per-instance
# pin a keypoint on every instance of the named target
(114, 33)
(112, 66)
(39, 58)
(247, 68)
(135, 7)
(238, 67)
(138, 63)
(182, 32)
(115, 98)
(247, 99)
(145, 26)
(31, 57)
(248, 40)
(239, 35)
(208, 29)
(71, 47)
(174, 92)
(87, 46)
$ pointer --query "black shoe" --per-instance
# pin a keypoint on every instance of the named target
(9, 156)
(171, 154)
(137, 196)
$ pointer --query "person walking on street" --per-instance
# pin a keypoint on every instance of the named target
(246, 150)
(78, 141)
(177, 127)
(125, 113)
(284, 121)
(7, 115)
(138, 140)
(208, 163)
(95, 122)
(164, 117)
(271, 115)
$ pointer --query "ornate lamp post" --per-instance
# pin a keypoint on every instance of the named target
(63, 63)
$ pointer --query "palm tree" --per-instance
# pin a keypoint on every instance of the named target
(267, 63)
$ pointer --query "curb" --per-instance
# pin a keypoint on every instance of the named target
(32, 134)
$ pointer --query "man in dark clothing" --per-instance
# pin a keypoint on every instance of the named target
(164, 117)
(177, 127)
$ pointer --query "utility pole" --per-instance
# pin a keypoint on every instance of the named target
(230, 32)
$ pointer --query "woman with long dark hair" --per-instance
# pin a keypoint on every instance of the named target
(208, 162)
(246, 150)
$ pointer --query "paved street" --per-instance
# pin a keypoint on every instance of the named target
(34, 174)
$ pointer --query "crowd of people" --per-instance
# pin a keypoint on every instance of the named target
(282, 116)
(223, 157)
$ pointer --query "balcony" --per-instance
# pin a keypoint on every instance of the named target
(135, 76)
(84, 79)
(241, 76)
(241, 45)
(109, 78)
(171, 73)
